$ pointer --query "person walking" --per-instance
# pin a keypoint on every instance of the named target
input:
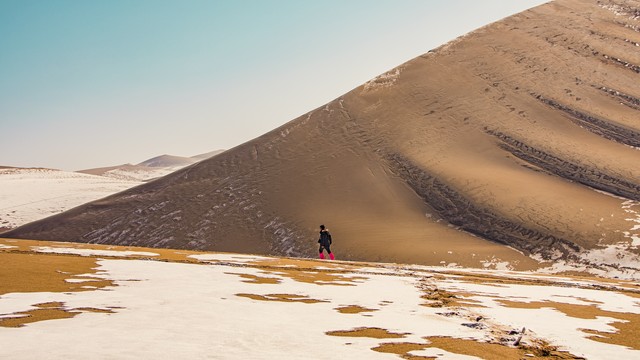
(325, 242)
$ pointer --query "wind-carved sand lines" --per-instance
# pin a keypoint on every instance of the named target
(625, 99)
(568, 169)
(622, 63)
(602, 127)
(457, 209)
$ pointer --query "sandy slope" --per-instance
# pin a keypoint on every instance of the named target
(103, 302)
(524, 133)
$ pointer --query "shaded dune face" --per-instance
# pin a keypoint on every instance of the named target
(520, 138)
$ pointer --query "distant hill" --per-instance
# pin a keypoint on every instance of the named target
(149, 169)
(30, 194)
(207, 155)
(516, 145)
(175, 161)
(168, 161)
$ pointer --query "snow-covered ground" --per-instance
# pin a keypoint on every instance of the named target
(31, 194)
(619, 260)
(140, 173)
(228, 306)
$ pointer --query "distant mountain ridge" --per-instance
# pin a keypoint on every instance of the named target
(149, 169)
(172, 160)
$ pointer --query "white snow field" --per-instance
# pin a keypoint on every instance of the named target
(28, 195)
(228, 306)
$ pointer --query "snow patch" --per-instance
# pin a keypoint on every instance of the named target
(90, 252)
(549, 323)
(77, 281)
(140, 175)
(613, 261)
(28, 195)
(496, 264)
(619, 10)
(385, 80)
(633, 209)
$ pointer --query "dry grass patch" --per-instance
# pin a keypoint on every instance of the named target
(403, 349)
(483, 350)
(491, 351)
(255, 279)
(376, 333)
(353, 309)
(439, 298)
(24, 272)
(464, 299)
(318, 277)
(45, 311)
(163, 254)
(282, 298)
(306, 271)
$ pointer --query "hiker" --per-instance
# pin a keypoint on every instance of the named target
(325, 242)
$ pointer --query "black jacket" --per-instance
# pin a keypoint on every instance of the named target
(325, 238)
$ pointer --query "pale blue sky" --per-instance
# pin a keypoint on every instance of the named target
(91, 83)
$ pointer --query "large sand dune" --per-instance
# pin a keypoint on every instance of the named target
(519, 139)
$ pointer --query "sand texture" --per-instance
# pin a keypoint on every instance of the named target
(516, 145)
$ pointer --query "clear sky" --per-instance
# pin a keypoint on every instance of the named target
(91, 83)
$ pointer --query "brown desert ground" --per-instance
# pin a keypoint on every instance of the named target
(521, 138)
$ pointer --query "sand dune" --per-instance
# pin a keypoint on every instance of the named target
(518, 141)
